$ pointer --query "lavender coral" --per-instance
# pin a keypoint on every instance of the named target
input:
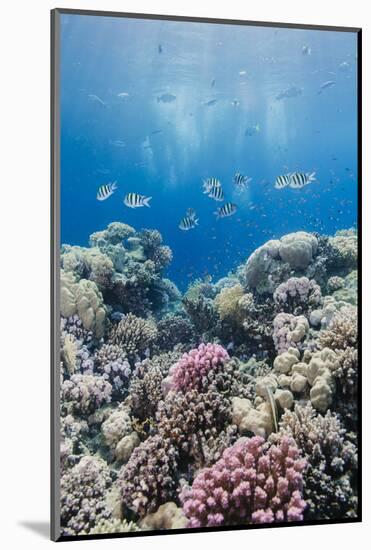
(83, 393)
(111, 363)
(288, 331)
(253, 482)
(83, 491)
(297, 295)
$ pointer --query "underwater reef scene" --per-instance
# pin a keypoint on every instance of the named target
(208, 275)
(233, 403)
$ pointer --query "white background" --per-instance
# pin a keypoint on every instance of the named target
(24, 268)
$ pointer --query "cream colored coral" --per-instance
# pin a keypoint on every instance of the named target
(298, 249)
(248, 419)
(69, 351)
(298, 383)
(168, 516)
(321, 364)
(85, 299)
(266, 384)
(346, 247)
(300, 330)
(313, 374)
(118, 434)
(284, 362)
(90, 307)
(284, 398)
(126, 446)
(67, 294)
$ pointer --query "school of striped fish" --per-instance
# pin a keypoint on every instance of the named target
(213, 188)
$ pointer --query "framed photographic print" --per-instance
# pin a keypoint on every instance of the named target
(206, 218)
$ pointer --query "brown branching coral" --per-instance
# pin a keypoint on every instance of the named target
(195, 423)
(342, 332)
(134, 335)
(330, 478)
(342, 337)
(149, 479)
(175, 330)
(145, 389)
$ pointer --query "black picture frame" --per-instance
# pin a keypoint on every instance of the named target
(55, 272)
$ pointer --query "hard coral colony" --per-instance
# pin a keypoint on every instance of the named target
(234, 403)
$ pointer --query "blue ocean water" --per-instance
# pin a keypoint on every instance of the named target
(244, 99)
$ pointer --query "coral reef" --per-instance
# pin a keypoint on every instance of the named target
(146, 389)
(109, 526)
(227, 301)
(175, 330)
(233, 403)
(110, 362)
(273, 262)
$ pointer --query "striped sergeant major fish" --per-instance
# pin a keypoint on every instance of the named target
(216, 193)
(282, 181)
(228, 209)
(209, 184)
(299, 179)
(191, 213)
(241, 181)
(188, 223)
(213, 189)
(133, 200)
(106, 190)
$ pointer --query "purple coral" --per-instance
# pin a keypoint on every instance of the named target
(253, 482)
(112, 365)
(288, 331)
(82, 394)
(297, 295)
(193, 368)
(83, 490)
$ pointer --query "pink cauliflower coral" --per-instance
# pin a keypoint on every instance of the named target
(253, 482)
(193, 368)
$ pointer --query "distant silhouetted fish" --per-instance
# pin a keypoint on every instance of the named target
(325, 85)
(292, 91)
(166, 98)
(210, 102)
(96, 99)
